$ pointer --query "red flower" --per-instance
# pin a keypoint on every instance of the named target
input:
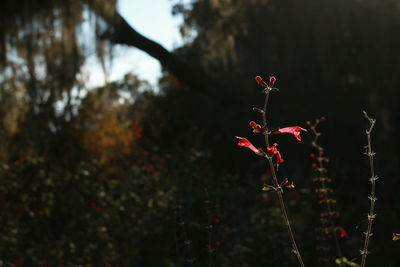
(256, 127)
(20, 161)
(272, 150)
(314, 165)
(95, 207)
(246, 143)
(18, 262)
(342, 232)
(295, 130)
(216, 221)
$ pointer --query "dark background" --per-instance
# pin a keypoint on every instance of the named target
(100, 182)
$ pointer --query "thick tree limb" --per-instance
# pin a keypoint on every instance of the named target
(191, 75)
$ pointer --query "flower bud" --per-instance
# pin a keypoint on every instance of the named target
(272, 80)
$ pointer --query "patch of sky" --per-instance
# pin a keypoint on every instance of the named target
(153, 19)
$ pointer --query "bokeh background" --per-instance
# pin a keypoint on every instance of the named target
(107, 161)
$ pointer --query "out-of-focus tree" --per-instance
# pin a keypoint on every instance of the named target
(41, 55)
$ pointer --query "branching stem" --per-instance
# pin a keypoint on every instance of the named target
(371, 216)
(324, 187)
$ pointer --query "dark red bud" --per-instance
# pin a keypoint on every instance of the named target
(272, 80)
(259, 79)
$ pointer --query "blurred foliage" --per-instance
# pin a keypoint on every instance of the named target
(124, 175)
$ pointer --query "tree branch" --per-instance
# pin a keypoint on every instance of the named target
(120, 32)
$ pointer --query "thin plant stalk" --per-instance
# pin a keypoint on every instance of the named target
(371, 215)
(186, 240)
(277, 185)
(209, 228)
(321, 170)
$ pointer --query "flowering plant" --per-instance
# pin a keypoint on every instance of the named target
(271, 152)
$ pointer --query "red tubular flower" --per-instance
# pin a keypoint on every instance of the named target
(342, 232)
(314, 165)
(216, 221)
(246, 143)
(295, 130)
(272, 150)
(18, 262)
(256, 127)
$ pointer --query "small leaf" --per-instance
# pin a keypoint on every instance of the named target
(296, 252)
(289, 184)
(344, 260)
(396, 237)
(266, 188)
